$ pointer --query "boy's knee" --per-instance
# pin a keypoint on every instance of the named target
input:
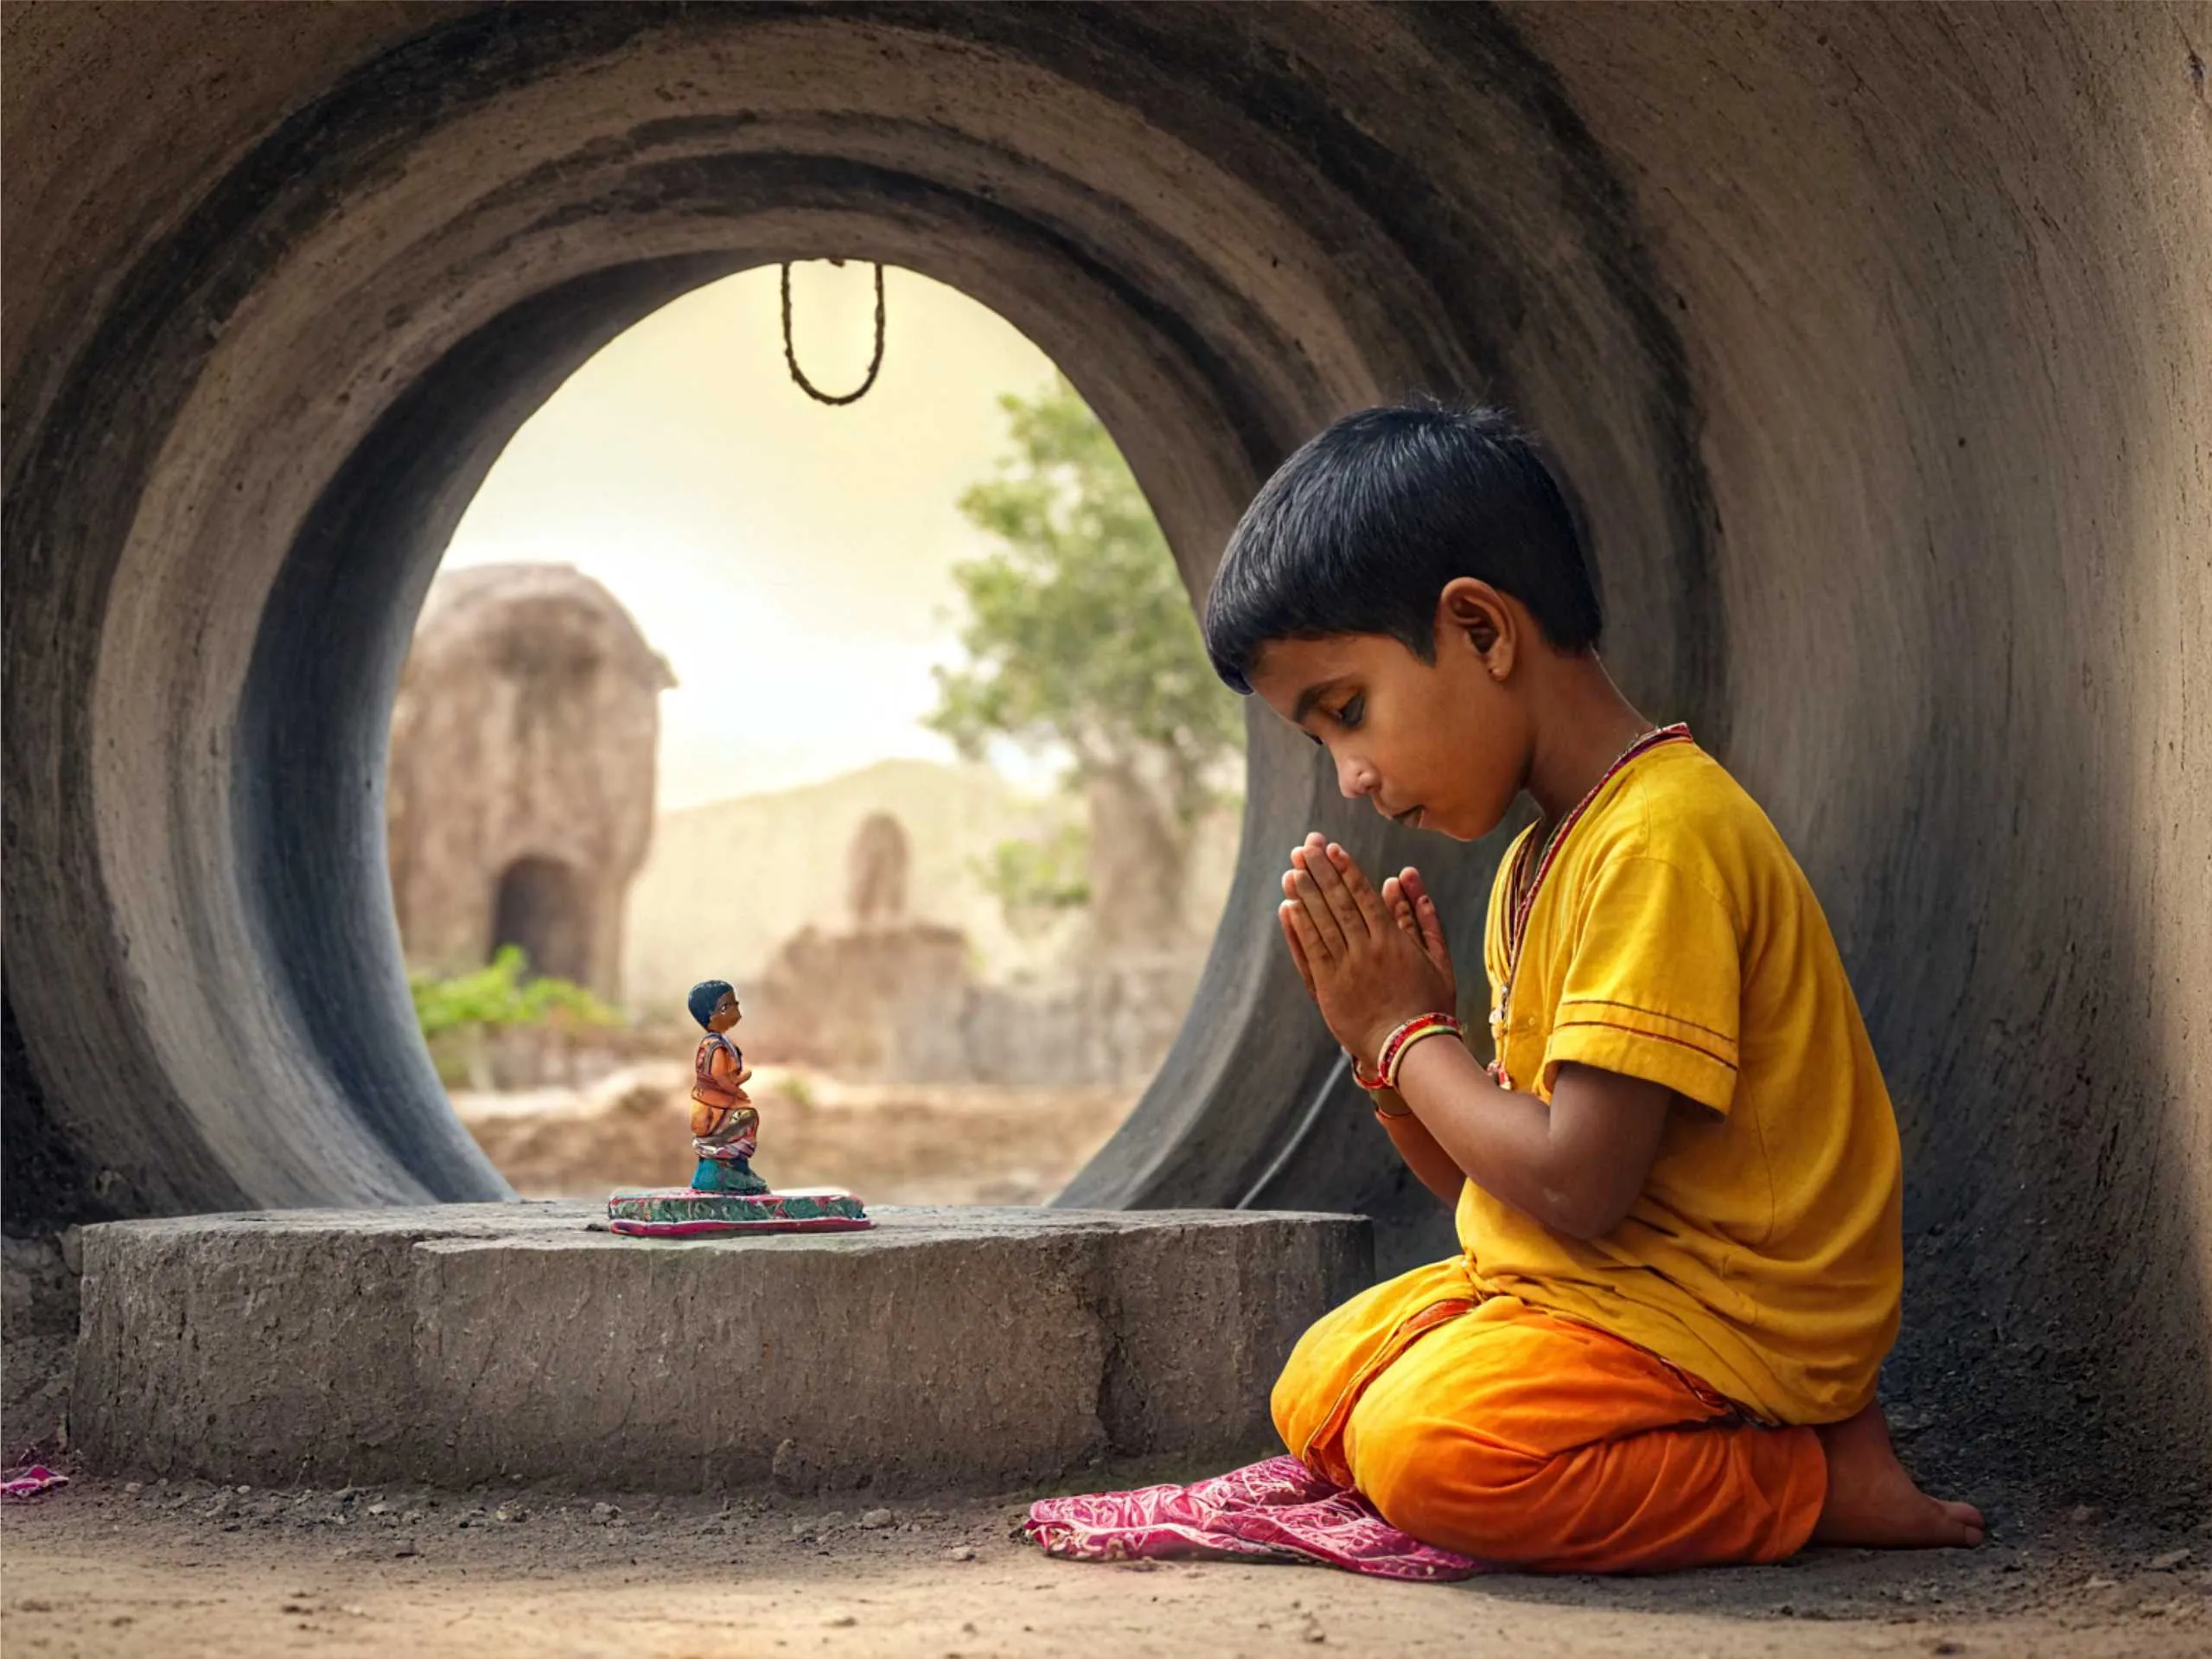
(1282, 1407)
(1344, 1344)
(1443, 1481)
(1310, 1384)
(1477, 1500)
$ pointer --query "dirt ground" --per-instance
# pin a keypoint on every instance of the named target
(890, 1143)
(185, 1569)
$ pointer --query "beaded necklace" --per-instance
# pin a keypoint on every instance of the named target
(1524, 886)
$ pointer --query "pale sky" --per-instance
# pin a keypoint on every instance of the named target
(791, 561)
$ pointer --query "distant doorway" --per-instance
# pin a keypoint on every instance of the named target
(540, 907)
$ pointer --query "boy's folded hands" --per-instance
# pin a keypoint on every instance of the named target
(1371, 960)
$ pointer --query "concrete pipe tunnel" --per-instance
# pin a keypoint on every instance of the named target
(1875, 343)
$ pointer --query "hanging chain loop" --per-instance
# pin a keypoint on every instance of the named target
(791, 352)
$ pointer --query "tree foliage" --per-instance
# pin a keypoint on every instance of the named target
(1036, 879)
(1079, 632)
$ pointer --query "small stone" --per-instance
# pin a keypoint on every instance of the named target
(379, 1508)
(960, 1553)
(404, 1551)
(132, 1487)
(510, 1513)
(877, 1519)
(242, 1490)
(2170, 1561)
(802, 1529)
(410, 1517)
(2101, 1583)
(602, 1513)
(793, 1473)
(844, 1622)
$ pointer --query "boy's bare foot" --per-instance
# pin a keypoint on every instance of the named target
(1872, 1504)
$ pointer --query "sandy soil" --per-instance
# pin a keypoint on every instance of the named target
(108, 1569)
(891, 1143)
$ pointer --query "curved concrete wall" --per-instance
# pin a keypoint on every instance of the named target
(1876, 343)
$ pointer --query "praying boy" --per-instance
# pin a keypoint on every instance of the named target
(1678, 1186)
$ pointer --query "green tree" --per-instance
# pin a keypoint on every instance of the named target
(1080, 638)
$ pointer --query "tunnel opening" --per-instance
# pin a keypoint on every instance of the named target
(891, 711)
(1850, 338)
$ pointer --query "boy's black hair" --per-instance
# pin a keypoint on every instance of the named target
(1360, 530)
(704, 995)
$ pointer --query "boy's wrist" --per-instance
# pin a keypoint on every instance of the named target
(1400, 1042)
(1389, 1103)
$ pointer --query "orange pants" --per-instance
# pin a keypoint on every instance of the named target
(1483, 1425)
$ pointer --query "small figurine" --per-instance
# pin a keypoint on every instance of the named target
(726, 1194)
(725, 1127)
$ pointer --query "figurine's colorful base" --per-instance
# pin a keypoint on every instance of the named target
(686, 1212)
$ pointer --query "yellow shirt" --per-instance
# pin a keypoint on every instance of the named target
(1675, 939)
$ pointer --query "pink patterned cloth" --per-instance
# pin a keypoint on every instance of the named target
(31, 1482)
(1279, 1510)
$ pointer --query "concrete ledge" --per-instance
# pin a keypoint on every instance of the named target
(945, 1350)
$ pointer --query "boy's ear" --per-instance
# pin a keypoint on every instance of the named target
(1475, 615)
